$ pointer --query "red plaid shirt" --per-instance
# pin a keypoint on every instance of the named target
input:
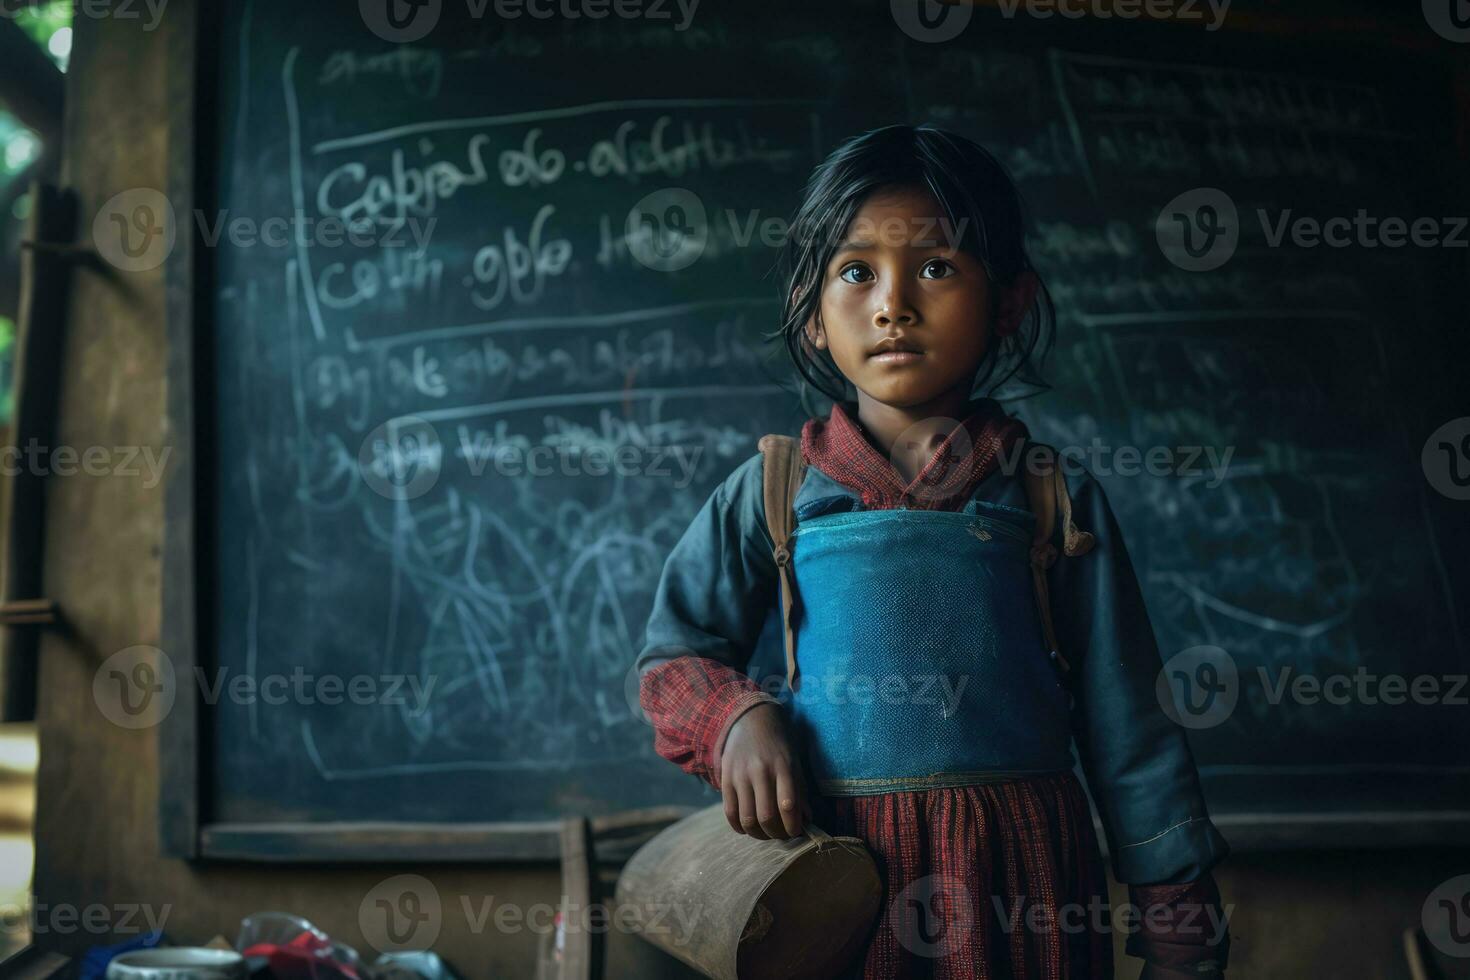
(694, 701)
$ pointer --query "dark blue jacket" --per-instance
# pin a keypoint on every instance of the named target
(715, 596)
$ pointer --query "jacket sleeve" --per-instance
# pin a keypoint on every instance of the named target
(1135, 758)
(717, 586)
(1183, 928)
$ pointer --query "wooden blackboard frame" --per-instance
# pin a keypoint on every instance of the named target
(185, 828)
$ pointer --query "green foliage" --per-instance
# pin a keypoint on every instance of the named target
(49, 25)
(7, 370)
(18, 147)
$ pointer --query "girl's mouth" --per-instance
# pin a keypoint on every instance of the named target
(897, 357)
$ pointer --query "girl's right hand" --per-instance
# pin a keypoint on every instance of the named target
(761, 778)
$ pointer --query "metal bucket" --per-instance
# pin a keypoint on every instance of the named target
(734, 907)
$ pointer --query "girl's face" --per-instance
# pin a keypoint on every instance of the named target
(904, 313)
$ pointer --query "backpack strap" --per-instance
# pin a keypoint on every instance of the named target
(784, 468)
(1046, 490)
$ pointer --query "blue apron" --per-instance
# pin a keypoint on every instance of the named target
(922, 657)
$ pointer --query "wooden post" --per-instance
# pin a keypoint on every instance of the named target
(45, 283)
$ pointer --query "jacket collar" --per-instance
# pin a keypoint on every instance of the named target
(845, 461)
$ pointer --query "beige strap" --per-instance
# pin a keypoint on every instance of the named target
(1046, 490)
(1043, 505)
(784, 468)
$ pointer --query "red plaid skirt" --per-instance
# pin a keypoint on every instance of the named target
(1001, 881)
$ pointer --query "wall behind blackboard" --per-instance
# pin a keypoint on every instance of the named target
(361, 525)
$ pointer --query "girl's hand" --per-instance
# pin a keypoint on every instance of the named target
(761, 778)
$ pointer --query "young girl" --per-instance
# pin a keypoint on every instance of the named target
(927, 717)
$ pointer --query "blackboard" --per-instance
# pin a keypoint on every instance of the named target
(356, 523)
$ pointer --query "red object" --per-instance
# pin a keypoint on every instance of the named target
(962, 866)
(307, 957)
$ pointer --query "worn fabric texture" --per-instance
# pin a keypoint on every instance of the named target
(949, 855)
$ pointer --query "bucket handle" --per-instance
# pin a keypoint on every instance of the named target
(818, 836)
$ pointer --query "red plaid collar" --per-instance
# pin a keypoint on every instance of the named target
(839, 447)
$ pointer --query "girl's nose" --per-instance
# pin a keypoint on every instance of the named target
(893, 308)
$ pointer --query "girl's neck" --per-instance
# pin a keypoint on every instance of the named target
(922, 427)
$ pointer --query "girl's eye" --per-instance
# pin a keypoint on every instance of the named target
(941, 269)
(843, 275)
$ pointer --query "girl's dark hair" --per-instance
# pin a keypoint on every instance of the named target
(970, 185)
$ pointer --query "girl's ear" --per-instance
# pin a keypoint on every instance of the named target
(1013, 302)
(814, 332)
